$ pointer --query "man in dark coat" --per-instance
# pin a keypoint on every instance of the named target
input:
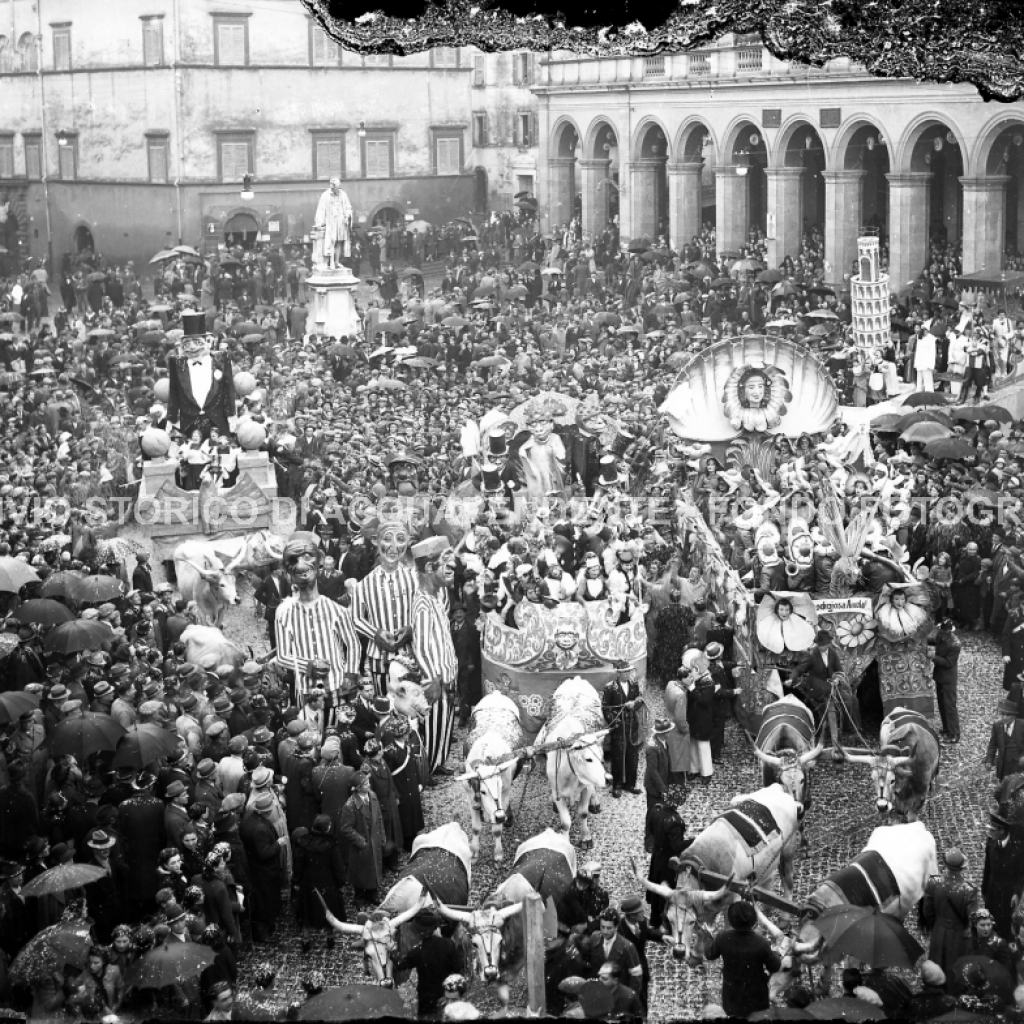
(584, 901)
(635, 927)
(319, 869)
(383, 785)
(666, 838)
(619, 700)
(400, 758)
(333, 782)
(366, 720)
(17, 918)
(748, 962)
(1003, 874)
(657, 769)
(263, 851)
(301, 804)
(362, 827)
(142, 577)
(967, 588)
(19, 815)
(140, 822)
(607, 944)
(725, 697)
(435, 958)
(945, 671)
(946, 912)
(1006, 742)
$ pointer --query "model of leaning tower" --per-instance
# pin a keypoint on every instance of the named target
(869, 293)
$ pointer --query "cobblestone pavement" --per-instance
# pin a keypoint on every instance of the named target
(837, 827)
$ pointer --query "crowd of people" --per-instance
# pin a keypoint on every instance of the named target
(534, 368)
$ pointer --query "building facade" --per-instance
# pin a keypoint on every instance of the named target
(129, 129)
(730, 136)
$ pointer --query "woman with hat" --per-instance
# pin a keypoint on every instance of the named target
(985, 942)
(319, 868)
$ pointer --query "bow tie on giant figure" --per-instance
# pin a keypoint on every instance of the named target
(201, 382)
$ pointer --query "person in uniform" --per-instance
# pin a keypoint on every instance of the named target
(949, 901)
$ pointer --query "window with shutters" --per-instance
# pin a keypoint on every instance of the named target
(479, 71)
(328, 157)
(448, 155)
(6, 55)
(378, 157)
(522, 68)
(156, 148)
(152, 42)
(480, 137)
(62, 48)
(28, 52)
(524, 135)
(445, 56)
(377, 60)
(235, 154)
(6, 156)
(231, 41)
(33, 157)
(67, 158)
(324, 52)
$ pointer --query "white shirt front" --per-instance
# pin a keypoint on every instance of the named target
(200, 374)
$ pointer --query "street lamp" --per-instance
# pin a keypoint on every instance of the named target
(247, 192)
(62, 138)
(362, 130)
(742, 163)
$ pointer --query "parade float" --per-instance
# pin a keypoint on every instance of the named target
(762, 408)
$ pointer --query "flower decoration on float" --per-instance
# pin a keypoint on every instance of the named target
(857, 631)
(902, 611)
(755, 397)
(786, 621)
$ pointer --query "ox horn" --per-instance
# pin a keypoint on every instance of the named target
(205, 573)
(857, 758)
(774, 930)
(811, 755)
(464, 916)
(465, 777)
(899, 762)
(769, 759)
(508, 912)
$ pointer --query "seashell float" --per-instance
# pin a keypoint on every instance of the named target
(751, 384)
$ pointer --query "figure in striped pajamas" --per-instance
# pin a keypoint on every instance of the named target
(432, 644)
(382, 604)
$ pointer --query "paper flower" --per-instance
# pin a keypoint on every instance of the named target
(901, 611)
(786, 621)
(856, 631)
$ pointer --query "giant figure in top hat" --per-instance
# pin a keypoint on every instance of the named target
(202, 388)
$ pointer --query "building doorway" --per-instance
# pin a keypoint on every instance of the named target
(241, 229)
(83, 239)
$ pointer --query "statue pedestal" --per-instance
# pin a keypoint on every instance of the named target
(333, 309)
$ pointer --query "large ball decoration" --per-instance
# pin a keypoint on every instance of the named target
(250, 434)
(245, 384)
(155, 442)
(162, 389)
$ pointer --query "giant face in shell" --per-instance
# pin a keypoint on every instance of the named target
(752, 384)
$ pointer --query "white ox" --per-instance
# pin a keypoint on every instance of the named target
(495, 732)
(575, 761)
(204, 578)
(209, 648)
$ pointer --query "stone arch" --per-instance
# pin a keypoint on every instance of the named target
(559, 136)
(650, 149)
(688, 145)
(902, 156)
(595, 138)
(642, 136)
(82, 238)
(732, 138)
(999, 154)
(984, 158)
(784, 141)
(379, 208)
(844, 154)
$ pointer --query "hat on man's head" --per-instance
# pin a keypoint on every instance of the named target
(742, 915)
(261, 735)
(216, 728)
(1008, 707)
(206, 767)
(823, 636)
(103, 689)
(631, 905)
(237, 744)
(932, 973)
(176, 788)
(101, 841)
(954, 859)
(263, 804)
(431, 547)
(262, 777)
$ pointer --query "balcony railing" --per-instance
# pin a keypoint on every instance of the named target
(698, 64)
(654, 66)
(750, 59)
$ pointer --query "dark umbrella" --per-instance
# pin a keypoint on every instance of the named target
(722, 282)
(78, 635)
(245, 327)
(42, 611)
(845, 1009)
(769, 276)
(169, 964)
(142, 745)
(950, 448)
(889, 423)
(870, 936)
(454, 321)
(352, 1002)
(821, 289)
(639, 244)
(87, 733)
(518, 292)
(63, 877)
(919, 398)
(345, 351)
(412, 272)
(14, 704)
(923, 416)
(49, 950)
(949, 302)
(981, 413)
(100, 588)
(998, 977)
(702, 270)
(391, 327)
(529, 265)
(97, 275)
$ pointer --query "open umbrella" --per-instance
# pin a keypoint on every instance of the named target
(63, 877)
(784, 288)
(78, 635)
(999, 980)
(455, 321)
(950, 448)
(14, 574)
(922, 433)
(769, 276)
(100, 588)
(420, 227)
(65, 942)
(702, 269)
(353, 1002)
(746, 266)
(844, 1009)
(821, 314)
(419, 362)
(529, 265)
(489, 361)
(96, 275)
(551, 272)
(14, 704)
(870, 936)
(391, 327)
(144, 744)
(42, 611)
(169, 964)
(639, 244)
(388, 384)
(164, 255)
(86, 733)
(886, 423)
(919, 398)
(981, 413)
(411, 272)
(821, 330)
(101, 332)
(923, 416)
(821, 289)
(245, 327)
(517, 292)
(186, 250)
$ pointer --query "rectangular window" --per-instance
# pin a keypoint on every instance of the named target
(377, 60)
(231, 41)
(330, 158)
(449, 155)
(522, 68)
(324, 51)
(525, 136)
(33, 158)
(156, 148)
(479, 71)
(378, 153)
(62, 48)
(152, 42)
(68, 159)
(445, 56)
(7, 156)
(235, 156)
(480, 137)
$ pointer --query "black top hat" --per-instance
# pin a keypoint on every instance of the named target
(194, 324)
(497, 443)
(492, 477)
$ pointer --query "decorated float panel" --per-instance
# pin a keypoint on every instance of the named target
(527, 663)
(830, 566)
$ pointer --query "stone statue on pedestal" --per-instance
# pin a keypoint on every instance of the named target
(332, 226)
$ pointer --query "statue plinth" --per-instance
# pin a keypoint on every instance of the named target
(333, 308)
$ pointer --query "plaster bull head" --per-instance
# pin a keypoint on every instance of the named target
(226, 583)
(485, 930)
(408, 698)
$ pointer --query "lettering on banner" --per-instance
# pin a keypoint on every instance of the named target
(838, 605)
